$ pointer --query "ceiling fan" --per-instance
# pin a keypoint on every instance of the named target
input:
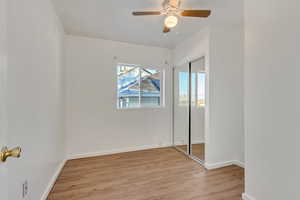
(172, 11)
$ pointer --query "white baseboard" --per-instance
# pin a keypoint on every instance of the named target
(194, 142)
(238, 163)
(110, 152)
(53, 180)
(247, 197)
(210, 166)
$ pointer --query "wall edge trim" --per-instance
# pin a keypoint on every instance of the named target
(247, 197)
(53, 180)
(218, 165)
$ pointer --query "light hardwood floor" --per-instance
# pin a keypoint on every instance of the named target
(157, 174)
(197, 150)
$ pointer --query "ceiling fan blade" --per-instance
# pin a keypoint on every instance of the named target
(166, 30)
(196, 13)
(146, 13)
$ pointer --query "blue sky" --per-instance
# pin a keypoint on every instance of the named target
(184, 84)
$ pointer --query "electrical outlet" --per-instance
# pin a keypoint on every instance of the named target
(24, 189)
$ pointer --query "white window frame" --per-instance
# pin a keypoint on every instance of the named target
(162, 87)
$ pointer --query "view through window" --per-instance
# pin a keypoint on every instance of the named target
(197, 90)
(138, 87)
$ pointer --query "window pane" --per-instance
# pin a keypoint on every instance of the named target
(150, 87)
(128, 87)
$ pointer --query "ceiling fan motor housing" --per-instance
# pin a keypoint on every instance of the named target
(171, 7)
(171, 3)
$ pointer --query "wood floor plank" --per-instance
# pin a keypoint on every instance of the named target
(156, 174)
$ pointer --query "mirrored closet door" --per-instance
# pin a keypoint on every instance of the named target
(181, 108)
(198, 79)
(189, 91)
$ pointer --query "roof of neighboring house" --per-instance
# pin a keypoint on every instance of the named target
(150, 86)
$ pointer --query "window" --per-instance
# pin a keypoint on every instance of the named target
(138, 86)
(197, 89)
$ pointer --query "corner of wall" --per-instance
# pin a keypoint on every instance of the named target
(53, 180)
(247, 197)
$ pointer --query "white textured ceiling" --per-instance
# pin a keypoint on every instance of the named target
(112, 20)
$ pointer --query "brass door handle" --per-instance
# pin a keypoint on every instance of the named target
(5, 153)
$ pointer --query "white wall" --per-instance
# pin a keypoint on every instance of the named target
(93, 123)
(192, 48)
(226, 134)
(272, 99)
(3, 66)
(34, 95)
(222, 45)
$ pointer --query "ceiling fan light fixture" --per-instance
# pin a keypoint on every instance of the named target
(171, 21)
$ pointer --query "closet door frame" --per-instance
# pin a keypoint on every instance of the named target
(190, 109)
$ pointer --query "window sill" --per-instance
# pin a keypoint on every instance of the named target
(141, 108)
